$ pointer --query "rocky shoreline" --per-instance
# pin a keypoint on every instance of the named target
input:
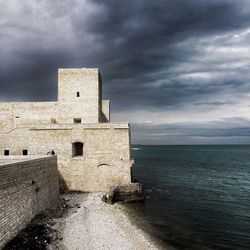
(83, 221)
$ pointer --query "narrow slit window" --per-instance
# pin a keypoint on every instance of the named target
(77, 120)
(6, 152)
(25, 151)
(78, 94)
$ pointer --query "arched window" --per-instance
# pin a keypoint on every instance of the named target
(77, 149)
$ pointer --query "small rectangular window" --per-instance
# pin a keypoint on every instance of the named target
(77, 149)
(6, 152)
(25, 151)
(77, 120)
(52, 120)
(78, 94)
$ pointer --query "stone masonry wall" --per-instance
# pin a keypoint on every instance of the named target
(85, 82)
(26, 114)
(106, 154)
(105, 114)
(80, 116)
(27, 187)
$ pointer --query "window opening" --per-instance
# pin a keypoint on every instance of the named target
(77, 149)
(6, 152)
(25, 151)
(77, 120)
(52, 120)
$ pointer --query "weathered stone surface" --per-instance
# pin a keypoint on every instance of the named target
(28, 185)
(40, 127)
(127, 193)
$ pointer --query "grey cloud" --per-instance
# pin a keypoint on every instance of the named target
(35, 79)
(136, 43)
(231, 130)
(159, 55)
(139, 39)
(216, 103)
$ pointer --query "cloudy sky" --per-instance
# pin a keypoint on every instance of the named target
(178, 70)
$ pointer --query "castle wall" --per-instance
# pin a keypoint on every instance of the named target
(27, 186)
(6, 118)
(15, 141)
(106, 154)
(25, 114)
(105, 114)
(40, 127)
(87, 105)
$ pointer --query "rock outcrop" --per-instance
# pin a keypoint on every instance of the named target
(127, 193)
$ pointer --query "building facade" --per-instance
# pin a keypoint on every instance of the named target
(93, 154)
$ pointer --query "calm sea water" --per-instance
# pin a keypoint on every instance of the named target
(198, 197)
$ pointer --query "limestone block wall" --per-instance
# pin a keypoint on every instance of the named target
(40, 127)
(27, 186)
(6, 118)
(31, 113)
(25, 114)
(79, 95)
(15, 141)
(106, 154)
(106, 158)
(105, 114)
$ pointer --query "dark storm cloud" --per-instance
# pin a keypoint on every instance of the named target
(35, 78)
(170, 55)
(139, 48)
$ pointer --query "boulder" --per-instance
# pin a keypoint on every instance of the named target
(127, 193)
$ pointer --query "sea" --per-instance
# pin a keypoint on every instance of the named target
(197, 197)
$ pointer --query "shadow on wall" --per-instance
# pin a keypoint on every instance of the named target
(63, 187)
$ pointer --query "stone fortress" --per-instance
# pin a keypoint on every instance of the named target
(70, 142)
(93, 154)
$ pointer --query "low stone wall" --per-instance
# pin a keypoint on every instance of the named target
(27, 187)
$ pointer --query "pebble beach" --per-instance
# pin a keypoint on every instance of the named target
(97, 225)
(82, 221)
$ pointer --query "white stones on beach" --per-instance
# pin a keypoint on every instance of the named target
(97, 225)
